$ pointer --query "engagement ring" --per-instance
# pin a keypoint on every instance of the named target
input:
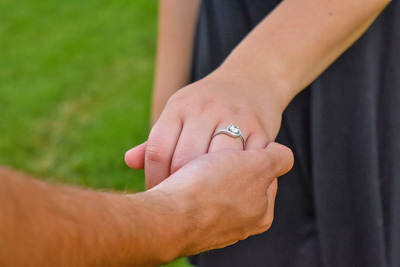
(233, 131)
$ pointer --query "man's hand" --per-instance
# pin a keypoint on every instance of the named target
(209, 203)
(219, 198)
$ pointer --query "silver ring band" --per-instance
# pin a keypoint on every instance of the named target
(232, 131)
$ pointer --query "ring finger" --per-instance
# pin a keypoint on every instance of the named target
(227, 138)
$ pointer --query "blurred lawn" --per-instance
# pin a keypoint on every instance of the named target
(75, 81)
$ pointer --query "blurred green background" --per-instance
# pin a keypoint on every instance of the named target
(75, 85)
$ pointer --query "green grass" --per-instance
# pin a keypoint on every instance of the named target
(75, 84)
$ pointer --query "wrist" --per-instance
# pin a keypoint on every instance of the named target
(169, 223)
(264, 83)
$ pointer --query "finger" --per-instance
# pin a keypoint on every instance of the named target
(278, 160)
(193, 142)
(271, 194)
(134, 157)
(271, 191)
(224, 141)
(159, 150)
(268, 217)
(257, 140)
(269, 163)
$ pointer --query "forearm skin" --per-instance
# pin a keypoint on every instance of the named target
(43, 224)
(177, 23)
(293, 45)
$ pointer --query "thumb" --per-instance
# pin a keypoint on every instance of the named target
(269, 163)
(278, 159)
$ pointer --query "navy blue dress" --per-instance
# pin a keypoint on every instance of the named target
(340, 205)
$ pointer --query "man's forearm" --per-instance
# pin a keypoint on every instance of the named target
(48, 225)
(177, 20)
(297, 42)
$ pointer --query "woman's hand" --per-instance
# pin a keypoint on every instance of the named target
(191, 116)
(287, 50)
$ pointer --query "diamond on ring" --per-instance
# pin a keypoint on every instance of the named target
(233, 131)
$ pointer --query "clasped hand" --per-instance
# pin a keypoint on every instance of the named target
(228, 194)
(184, 130)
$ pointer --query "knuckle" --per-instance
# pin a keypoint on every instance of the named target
(244, 236)
(264, 219)
(242, 233)
(267, 225)
(240, 108)
(156, 153)
(289, 158)
(267, 221)
(206, 105)
(263, 227)
(179, 98)
(176, 98)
